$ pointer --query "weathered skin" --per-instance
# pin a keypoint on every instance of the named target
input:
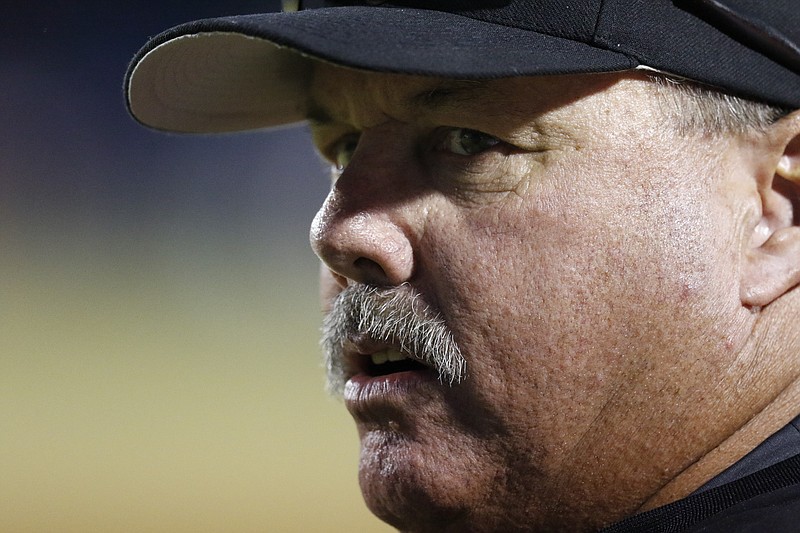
(622, 293)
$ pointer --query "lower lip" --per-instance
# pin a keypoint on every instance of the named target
(364, 393)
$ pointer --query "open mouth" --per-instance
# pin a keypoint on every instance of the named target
(391, 361)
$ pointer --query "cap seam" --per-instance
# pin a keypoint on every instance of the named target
(597, 20)
(604, 31)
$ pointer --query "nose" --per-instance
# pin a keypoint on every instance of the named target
(362, 247)
(362, 232)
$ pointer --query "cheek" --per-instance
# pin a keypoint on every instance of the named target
(560, 275)
(563, 299)
(328, 288)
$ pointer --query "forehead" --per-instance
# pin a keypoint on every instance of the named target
(358, 97)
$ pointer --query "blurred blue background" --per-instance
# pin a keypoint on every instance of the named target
(159, 366)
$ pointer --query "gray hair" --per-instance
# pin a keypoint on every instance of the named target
(696, 108)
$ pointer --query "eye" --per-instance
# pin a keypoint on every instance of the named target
(342, 151)
(463, 141)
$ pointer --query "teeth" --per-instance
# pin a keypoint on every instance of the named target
(380, 357)
(390, 354)
(394, 355)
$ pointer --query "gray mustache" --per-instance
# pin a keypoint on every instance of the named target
(392, 315)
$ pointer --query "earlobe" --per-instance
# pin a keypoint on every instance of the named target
(772, 264)
(772, 269)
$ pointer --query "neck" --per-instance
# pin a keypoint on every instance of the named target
(782, 410)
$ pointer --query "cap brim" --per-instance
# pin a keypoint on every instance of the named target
(252, 71)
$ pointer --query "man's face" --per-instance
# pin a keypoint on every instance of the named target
(582, 256)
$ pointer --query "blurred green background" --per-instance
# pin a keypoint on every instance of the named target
(159, 365)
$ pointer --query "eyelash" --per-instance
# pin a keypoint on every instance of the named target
(342, 151)
(480, 141)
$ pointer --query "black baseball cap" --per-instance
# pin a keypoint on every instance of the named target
(252, 71)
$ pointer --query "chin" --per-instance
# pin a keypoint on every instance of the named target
(445, 485)
(420, 487)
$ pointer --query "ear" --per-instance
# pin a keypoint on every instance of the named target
(772, 263)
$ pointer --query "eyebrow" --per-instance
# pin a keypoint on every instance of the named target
(448, 94)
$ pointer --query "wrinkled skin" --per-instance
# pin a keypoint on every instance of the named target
(591, 266)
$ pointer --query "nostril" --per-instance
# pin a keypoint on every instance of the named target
(372, 272)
